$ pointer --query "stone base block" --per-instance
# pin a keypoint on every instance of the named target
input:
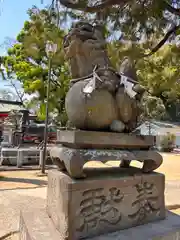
(103, 140)
(99, 205)
(38, 226)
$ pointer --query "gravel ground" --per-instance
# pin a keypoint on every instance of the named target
(12, 201)
(21, 190)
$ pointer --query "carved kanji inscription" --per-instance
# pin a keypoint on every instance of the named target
(99, 208)
(146, 201)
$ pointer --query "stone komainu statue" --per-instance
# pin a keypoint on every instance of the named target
(99, 98)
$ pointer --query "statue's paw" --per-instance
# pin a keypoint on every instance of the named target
(117, 126)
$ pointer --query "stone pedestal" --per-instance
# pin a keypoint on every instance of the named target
(102, 208)
(94, 206)
(77, 147)
(103, 140)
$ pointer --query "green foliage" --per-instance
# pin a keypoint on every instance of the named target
(159, 74)
(152, 108)
(168, 142)
(142, 24)
(27, 61)
(136, 19)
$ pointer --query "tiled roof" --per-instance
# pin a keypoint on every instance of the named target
(162, 124)
(159, 128)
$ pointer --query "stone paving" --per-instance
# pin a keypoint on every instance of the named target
(13, 237)
(172, 194)
(22, 190)
(12, 201)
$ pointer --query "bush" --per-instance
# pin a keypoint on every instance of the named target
(168, 142)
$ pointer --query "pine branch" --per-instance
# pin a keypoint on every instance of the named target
(108, 3)
(92, 9)
(163, 41)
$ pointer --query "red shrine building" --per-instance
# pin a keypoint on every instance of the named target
(7, 106)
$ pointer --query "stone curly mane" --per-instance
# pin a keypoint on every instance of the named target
(85, 47)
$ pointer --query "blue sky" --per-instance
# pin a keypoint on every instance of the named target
(13, 13)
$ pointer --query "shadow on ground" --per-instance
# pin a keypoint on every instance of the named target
(12, 183)
(25, 180)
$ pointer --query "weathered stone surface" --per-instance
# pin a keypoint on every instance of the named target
(86, 208)
(37, 226)
(117, 126)
(168, 229)
(94, 113)
(20, 156)
(103, 140)
(99, 94)
(73, 160)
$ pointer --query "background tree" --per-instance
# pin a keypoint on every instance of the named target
(168, 142)
(158, 73)
(136, 19)
(27, 62)
(141, 28)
